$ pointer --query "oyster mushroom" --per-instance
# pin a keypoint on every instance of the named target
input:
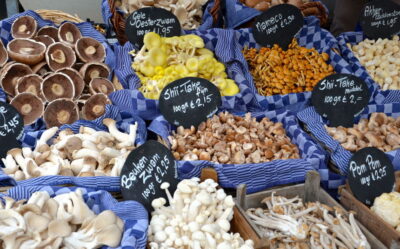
(45, 39)
(95, 106)
(76, 78)
(101, 85)
(30, 83)
(49, 31)
(11, 74)
(3, 54)
(58, 85)
(60, 112)
(90, 71)
(24, 27)
(90, 50)
(29, 106)
(59, 56)
(26, 51)
(41, 68)
(69, 34)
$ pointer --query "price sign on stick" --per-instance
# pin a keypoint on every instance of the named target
(339, 98)
(278, 25)
(151, 19)
(189, 101)
(380, 19)
(11, 128)
(370, 174)
(145, 169)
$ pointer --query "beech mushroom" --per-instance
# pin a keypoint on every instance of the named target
(60, 112)
(95, 106)
(29, 106)
(24, 27)
(101, 85)
(59, 56)
(45, 39)
(69, 34)
(77, 80)
(58, 85)
(10, 76)
(90, 71)
(3, 54)
(30, 83)
(49, 31)
(90, 50)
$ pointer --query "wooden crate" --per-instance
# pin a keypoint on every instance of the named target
(310, 191)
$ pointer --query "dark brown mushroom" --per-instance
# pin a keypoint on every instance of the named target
(90, 50)
(76, 78)
(11, 74)
(78, 66)
(90, 71)
(30, 83)
(60, 112)
(41, 68)
(49, 31)
(56, 86)
(3, 54)
(29, 106)
(26, 51)
(24, 27)
(59, 56)
(69, 33)
(45, 39)
(95, 106)
(82, 100)
(101, 85)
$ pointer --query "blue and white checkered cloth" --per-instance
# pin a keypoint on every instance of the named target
(133, 214)
(259, 176)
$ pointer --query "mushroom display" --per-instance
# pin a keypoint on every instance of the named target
(63, 221)
(199, 216)
(379, 131)
(230, 139)
(87, 153)
(289, 223)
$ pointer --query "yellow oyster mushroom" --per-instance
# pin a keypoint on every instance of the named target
(219, 67)
(147, 69)
(157, 57)
(204, 51)
(192, 64)
(230, 89)
(181, 70)
(152, 40)
(221, 83)
(195, 41)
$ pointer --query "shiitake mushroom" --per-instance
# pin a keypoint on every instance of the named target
(101, 85)
(59, 56)
(29, 106)
(30, 83)
(26, 51)
(95, 106)
(49, 31)
(77, 80)
(90, 50)
(24, 27)
(56, 86)
(60, 112)
(69, 34)
(10, 75)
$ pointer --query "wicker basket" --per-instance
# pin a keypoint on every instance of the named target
(118, 20)
(58, 16)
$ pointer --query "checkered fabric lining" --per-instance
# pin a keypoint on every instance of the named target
(220, 41)
(310, 36)
(132, 213)
(340, 156)
(259, 176)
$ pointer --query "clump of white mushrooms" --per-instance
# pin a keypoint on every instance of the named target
(198, 217)
(289, 223)
(381, 58)
(387, 206)
(88, 153)
(64, 221)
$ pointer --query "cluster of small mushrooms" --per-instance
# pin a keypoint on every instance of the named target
(54, 73)
(230, 139)
(88, 153)
(379, 131)
(198, 217)
(189, 13)
(289, 223)
(64, 221)
(387, 206)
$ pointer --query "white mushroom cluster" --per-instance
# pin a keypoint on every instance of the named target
(381, 58)
(379, 131)
(64, 221)
(198, 217)
(88, 153)
(289, 223)
(387, 206)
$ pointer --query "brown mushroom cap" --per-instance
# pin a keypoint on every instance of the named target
(49, 31)
(76, 78)
(24, 27)
(30, 83)
(101, 85)
(29, 106)
(26, 51)
(41, 68)
(11, 74)
(90, 71)
(3, 54)
(59, 56)
(56, 86)
(45, 39)
(90, 50)
(69, 33)
(95, 106)
(60, 112)
(78, 66)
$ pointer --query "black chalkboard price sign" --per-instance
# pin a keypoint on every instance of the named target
(370, 174)
(11, 128)
(380, 19)
(339, 98)
(151, 19)
(278, 25)
(189, 101)
(145, 169)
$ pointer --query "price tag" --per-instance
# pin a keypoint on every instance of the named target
(278, 25)
(380, 19)
(370, 174)
(11, 128)
(189, 101)
(151, 19)
(339, 98)
(145, 169)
